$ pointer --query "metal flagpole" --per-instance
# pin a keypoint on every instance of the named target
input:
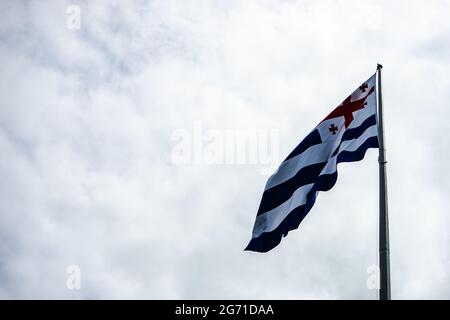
(385, 278)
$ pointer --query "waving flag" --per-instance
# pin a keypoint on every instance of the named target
(343, 136)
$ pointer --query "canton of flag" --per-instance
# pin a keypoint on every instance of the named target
(343, 136)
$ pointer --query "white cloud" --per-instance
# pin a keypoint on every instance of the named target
(85, 135)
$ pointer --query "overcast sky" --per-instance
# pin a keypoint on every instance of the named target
(91, 119)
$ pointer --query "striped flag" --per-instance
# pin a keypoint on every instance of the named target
(343, 136)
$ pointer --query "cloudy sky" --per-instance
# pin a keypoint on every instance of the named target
(94, 112)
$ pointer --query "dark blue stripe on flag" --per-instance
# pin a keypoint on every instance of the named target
(275, 196)
(357, 155)
(270, 240)
(354, 133)
(311, 139)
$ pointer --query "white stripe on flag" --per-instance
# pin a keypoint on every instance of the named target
(269, 220)
(314, 154)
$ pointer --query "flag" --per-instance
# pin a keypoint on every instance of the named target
(290, 193)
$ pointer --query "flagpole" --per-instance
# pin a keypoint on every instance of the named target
(385, 279)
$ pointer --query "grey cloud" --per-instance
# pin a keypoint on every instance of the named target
(85, 135)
